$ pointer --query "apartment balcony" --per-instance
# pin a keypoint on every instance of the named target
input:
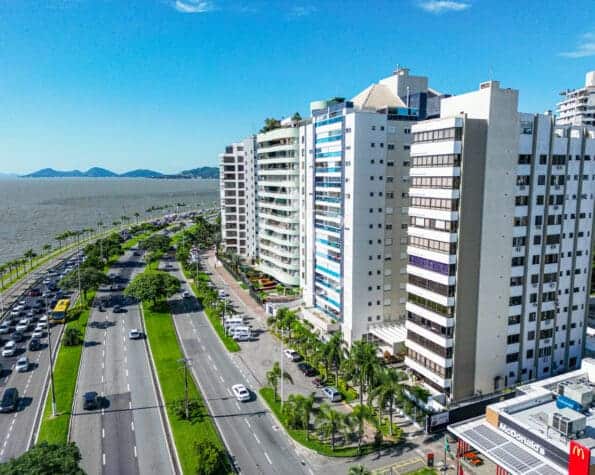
(320, 320)
(279, 261)
(278, 194)
(328, 301)
(270, 205)
(442, 257)
(262, 215)
(428, 334)
(426, 373)
(428, 294)
(278, 229)
(442, 193)
(439, 147)
(288, 175)
(435, 171)
(431, 275)
(442, 236)
(328, 200)
(429, 315)
(279, 274)
(444, 215)
(328, 286)
(280, 239)
(422, 350)
(290, 252)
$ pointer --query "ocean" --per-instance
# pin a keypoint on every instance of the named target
(34, 210)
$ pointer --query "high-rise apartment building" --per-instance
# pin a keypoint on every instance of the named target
(354, 158)
(251, 180)
(578, 105)
(278, 202)
(500, 238)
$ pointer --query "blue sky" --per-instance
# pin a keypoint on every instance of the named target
(165, 84)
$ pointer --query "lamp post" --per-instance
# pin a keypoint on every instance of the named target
(282, 365)
(185, 362)
(51, 360)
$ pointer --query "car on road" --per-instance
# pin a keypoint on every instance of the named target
(34, 344)
(292, 354)
(332, 394)
(136, 253)
(23, 325)
(4, 328)
(22, 364)
(38, 332)
(43, 321)
(34, 292)
(10, 400)
(117, 309)
(9, 349)
(240, 392)
(90, 401)
(307, 369)
(135, 334)
(186, 294)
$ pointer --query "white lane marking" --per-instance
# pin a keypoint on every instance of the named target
(268, 459)
(221, 378)
(102, 365)
(214, 367)
(128, 387)
(102, 378)
(102, 433)
(209, 357)
(228, 391)
(247, 423)
(132, 426)
(257, 439)
(135, 454)
(237, 405)
(126, 372)
(103, 457)
(103, 353)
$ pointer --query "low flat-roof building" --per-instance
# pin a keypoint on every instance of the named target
(549, 428)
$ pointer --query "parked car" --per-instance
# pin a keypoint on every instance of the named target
(90, 401)
(34, 344)
(307, 369)
(43, 321)
(117, 309)
(9, 349)
(22, 364)
(23, 325)
(10, 400)
(292, 354)
(240, 392)
(241, 333)
(186, 294)
(332, 394)
(38, 332)
(135, 334)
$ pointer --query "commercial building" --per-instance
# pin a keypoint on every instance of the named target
(354, 159)
(277, 206)
(499, 244)
(549, 428)
(578, 105)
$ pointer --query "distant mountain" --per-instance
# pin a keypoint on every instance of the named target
(97, 172)
(201, 172)
(141, 173)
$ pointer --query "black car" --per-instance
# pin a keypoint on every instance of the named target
(10, 400)
(118, 309)
(18, 336)
(90, 401)
(307, 369)
(34, 344)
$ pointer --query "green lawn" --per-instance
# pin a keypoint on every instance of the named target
(229, 343)
(166, 353)
(55, 429)
(312, 443)
(423, 471)
(135, 240)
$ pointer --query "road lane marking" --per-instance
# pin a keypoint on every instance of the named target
(257, 439)
(132, 426)
(228, 391)
(128, 387)
(102, 378)
(268, 459)
(209, 357)
(214, 367)
(221, 378)
(247, 423)
(103, 457)
(135, 455)
(126, 372)
(237, 405)
(102, 433)
(102, 365)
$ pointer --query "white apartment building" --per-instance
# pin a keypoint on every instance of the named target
(354, 158)
(232, 190)
(278, 203)
(578, 105)
(500, 237)
(251, 180)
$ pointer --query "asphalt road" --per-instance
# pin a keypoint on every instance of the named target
(255, 442)
(127, 435)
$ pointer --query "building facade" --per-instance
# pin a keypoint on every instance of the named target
(277, 205)
(578, 105)
(500, 235)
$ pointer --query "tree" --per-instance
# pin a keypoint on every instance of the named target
(211, 458)
(270, 124)
(46, 459)
(46, 248)
(334, 353)
(362, 365)
(137, 216)
(274, 375)
(30, 254)
(329, 422)
(156, 242)
(152, 286)
(72, 336)
(296, 117)
(195, 409)
(360, 414)
(358, 470)
(90, 277)
(387, 392)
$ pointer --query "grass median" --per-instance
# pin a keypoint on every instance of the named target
(55, 429)
(166, 354)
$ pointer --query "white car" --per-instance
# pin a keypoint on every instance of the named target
(10, 348)
(134, 334)
(241, 392)
(4, 328)
(22, 364)
(43, 323)
(38, 332)
(292, 354)
(186, 294)
(23, 325)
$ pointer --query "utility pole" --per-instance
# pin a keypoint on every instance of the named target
(51, 360)
(78, 260)
(185, 362)
(282, 366)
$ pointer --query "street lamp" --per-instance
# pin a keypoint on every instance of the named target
(186, 362)
(51, 360)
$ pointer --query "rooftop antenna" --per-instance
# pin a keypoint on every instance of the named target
(490, 73)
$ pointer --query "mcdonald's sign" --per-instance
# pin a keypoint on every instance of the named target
(579, 459)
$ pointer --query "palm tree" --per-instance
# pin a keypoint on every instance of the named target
(29, 255)
(334, 353)
(358, 470)
(329, 422)
(3, 270)
(362, 365)
(388, 392)
(361, 413)
(137, 216)
(274, 375)
(46, 248)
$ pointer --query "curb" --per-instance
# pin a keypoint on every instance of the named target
(175, 458)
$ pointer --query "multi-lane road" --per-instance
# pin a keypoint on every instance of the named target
(127, 435)
(255, 442)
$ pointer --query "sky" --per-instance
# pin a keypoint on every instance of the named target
(166, 84)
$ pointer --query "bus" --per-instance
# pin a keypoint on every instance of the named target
(59, 313)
